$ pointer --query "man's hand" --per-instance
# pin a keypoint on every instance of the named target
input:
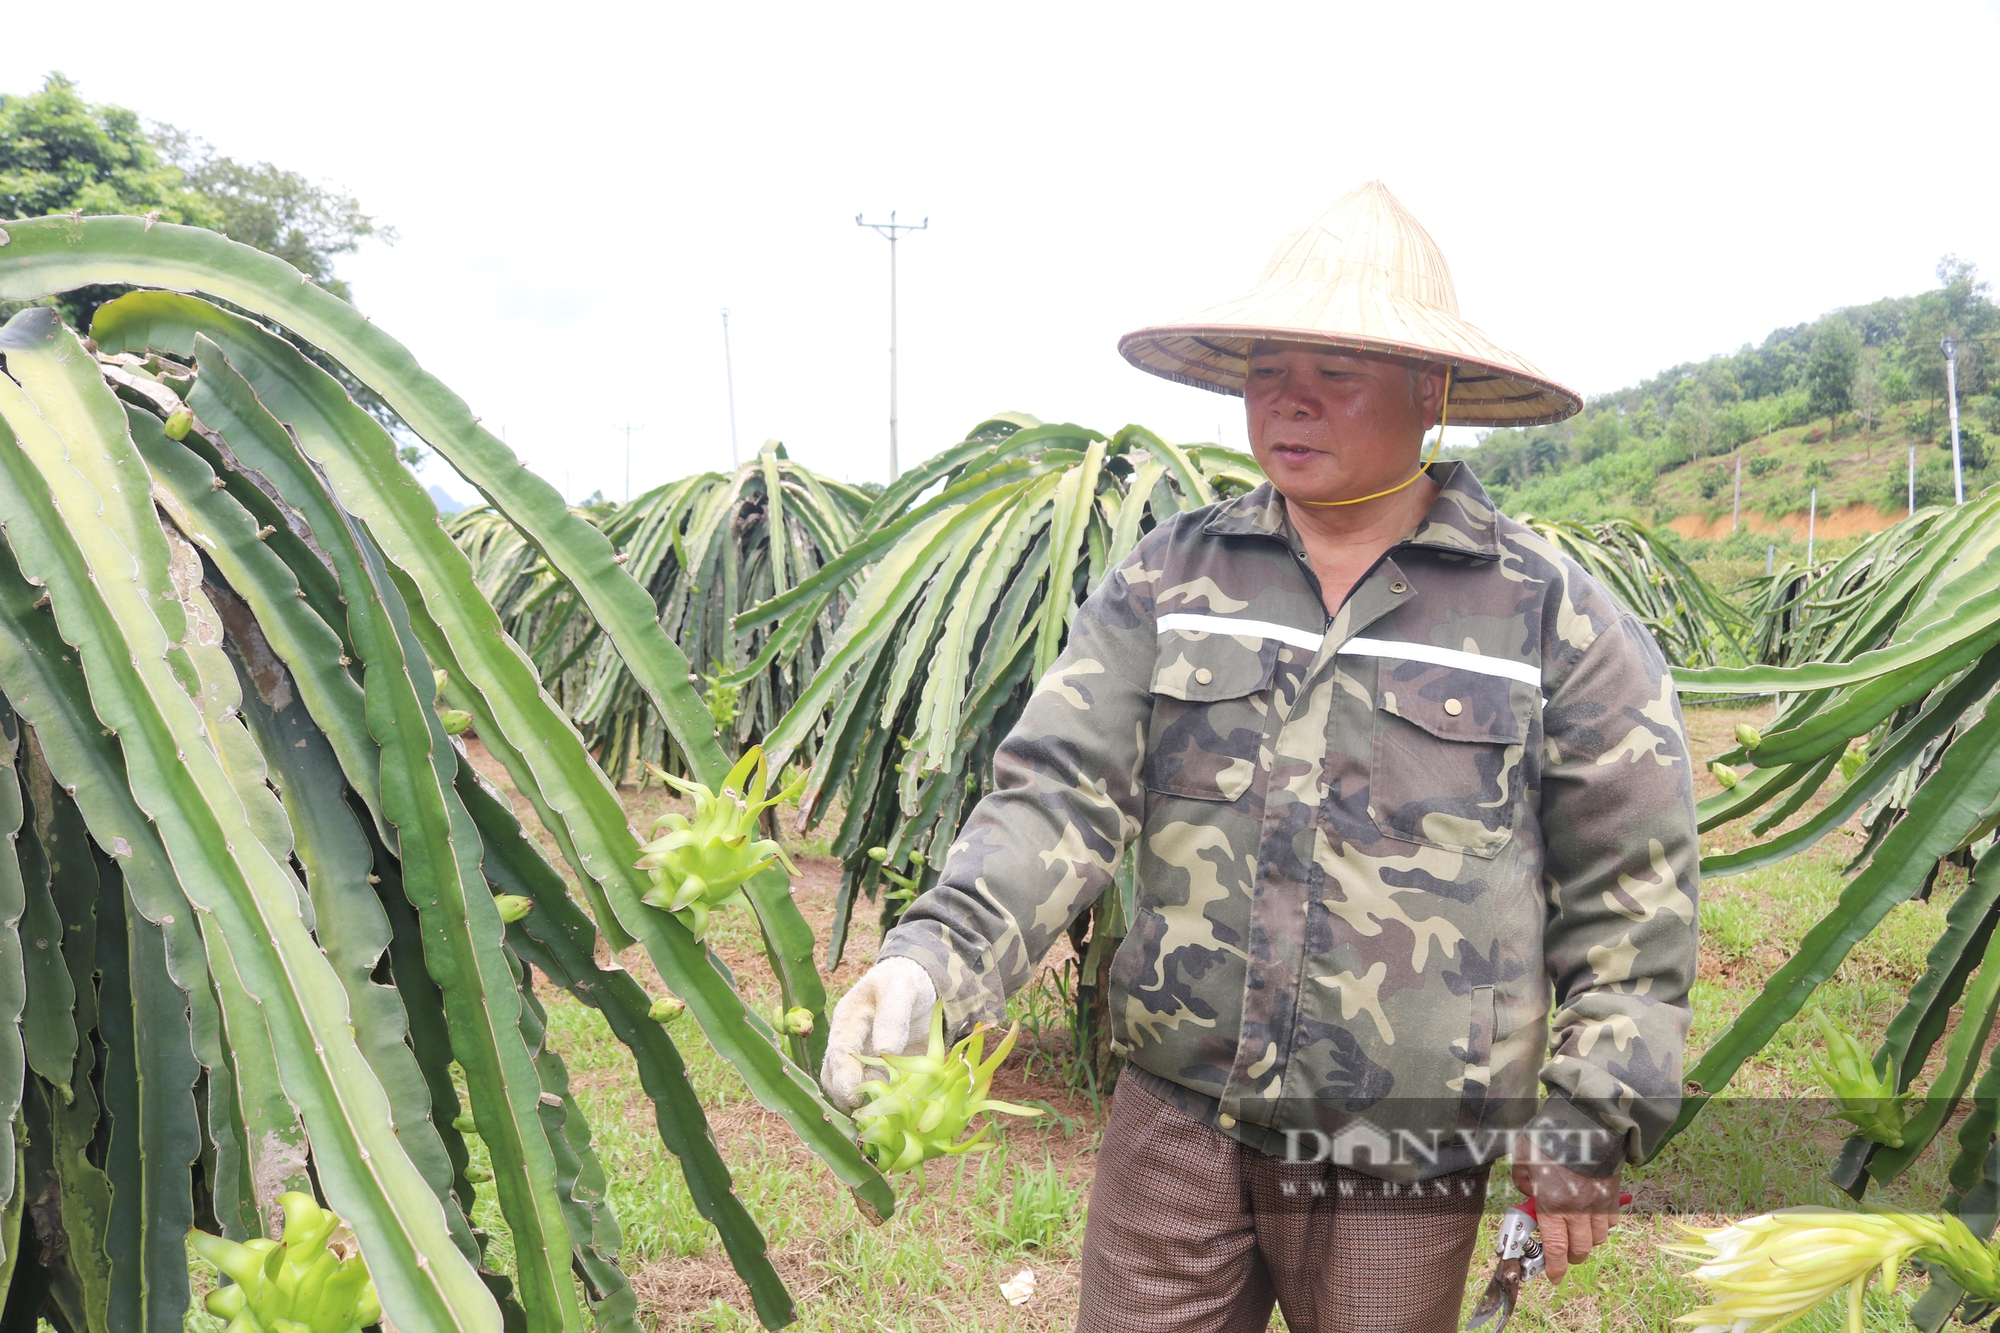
(1575, 1212)
(887, 1013)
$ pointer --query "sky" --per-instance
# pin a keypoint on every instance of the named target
(581, 190)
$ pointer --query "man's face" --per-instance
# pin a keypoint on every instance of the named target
(1331, 425)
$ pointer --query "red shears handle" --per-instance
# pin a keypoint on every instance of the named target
(1529, 1206)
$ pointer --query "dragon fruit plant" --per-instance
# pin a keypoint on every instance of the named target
(702, 863)
(928, 1100)
(1769, 1270)
(296, 1285)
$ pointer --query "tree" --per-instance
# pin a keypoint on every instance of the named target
(1646, 419)
(280, 212)
(1693, 424)
(1736, 424)
(1896, 385)
(1972, 317)
(1958, 309)
(1599, 435)
(1867, 395)
(1721, 382)
(61, 154)
(1830, 372)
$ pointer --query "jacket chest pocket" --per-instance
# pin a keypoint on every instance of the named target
(1211, 704)
(1446, 767)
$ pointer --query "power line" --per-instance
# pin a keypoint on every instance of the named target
(890, 229)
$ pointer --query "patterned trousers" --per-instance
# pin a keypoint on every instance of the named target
(1190, 1230)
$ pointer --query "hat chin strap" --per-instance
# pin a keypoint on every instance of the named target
(1443, 409)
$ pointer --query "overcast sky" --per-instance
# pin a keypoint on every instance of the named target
(581, 189)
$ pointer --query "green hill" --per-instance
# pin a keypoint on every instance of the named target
(1834, 403)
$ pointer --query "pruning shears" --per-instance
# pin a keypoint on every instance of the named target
(1519, 1254)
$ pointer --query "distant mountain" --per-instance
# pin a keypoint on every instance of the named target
(445, 504)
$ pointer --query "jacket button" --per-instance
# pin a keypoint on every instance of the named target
(1203, 676)
(1226, 1120)
(1454, 707)
(1399, 586)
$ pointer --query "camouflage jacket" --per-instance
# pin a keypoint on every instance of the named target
(1375, 849)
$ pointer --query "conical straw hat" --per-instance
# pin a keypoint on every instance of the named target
(1363, 276)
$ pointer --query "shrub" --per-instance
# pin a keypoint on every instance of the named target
(1971, 445)
(1934, 485)
(1763, 465)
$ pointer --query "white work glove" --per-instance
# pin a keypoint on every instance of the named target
(887, 1013)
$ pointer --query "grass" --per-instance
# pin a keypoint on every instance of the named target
(975, 1222)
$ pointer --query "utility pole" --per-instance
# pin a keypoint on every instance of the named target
(729, 375)
(1736, 516)
(1950, 346)
(1913, 478)
(629, 428)
(891, 229)
(1812, 521)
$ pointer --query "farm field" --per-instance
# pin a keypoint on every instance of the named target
(426, 844)
(939, 1263)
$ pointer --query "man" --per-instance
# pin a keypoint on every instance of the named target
(1400, 777)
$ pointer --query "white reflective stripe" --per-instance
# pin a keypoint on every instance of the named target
(1248, 629)
(1445, 657)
